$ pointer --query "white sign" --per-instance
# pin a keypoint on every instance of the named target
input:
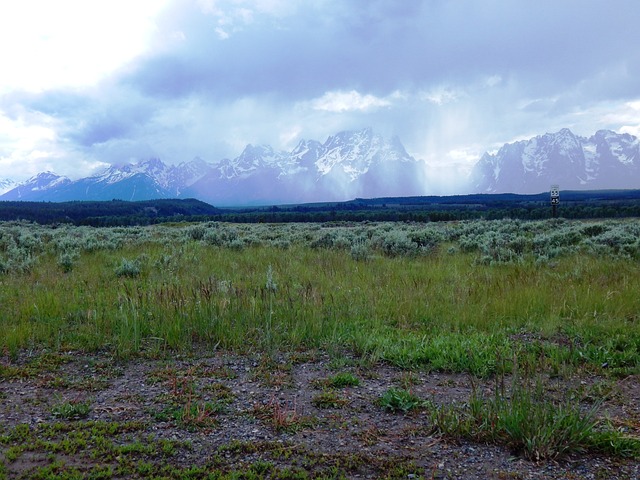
(555, 191)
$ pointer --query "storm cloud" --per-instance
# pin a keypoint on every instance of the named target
(451, 79)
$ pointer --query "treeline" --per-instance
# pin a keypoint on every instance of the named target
(574, 205)
(109, 213)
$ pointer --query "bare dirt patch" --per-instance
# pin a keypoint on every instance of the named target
(261, 416)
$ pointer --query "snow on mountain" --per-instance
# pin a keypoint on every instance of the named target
(172, 178)
(355, 152)
(255, 159)
(346, 165)
(36, 187)
(6, 184)
(604, 160)
(182, 176)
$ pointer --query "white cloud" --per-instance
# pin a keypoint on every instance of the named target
(342, 101)
(627, 116)
(493, 80)
(289, 136)
(441, 95)
(30, 144)
(70, 43)
(234, 15)
(631, 129)
(222, 33)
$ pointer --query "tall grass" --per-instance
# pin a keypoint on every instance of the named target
(522, 417)
(445, 297)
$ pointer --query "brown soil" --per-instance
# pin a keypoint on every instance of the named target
(271, 414)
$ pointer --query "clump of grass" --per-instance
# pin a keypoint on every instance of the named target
(532, 425)
(198, 414)
(329, 399)
(71, 410)
(222, 393)
(344, 379)
(282, 417)
(408, 379)
(400, 400)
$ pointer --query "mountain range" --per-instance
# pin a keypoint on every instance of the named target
(606, 160)
(347, 165)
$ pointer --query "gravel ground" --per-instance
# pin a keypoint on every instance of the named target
(268, 418)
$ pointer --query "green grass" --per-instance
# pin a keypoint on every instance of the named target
(328, 399)
(339, 380)
(156, 290)
(531, 424)
(71, 410)
(400, 400)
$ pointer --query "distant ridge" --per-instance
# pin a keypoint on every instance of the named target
(574, 204)
(114, 212)
(606, 160)
(349, 165)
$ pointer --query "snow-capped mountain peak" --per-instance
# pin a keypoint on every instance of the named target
(36, 187)
(605, 160)
(354, 152)
(6, 184)
(347, 165)
(45, 180)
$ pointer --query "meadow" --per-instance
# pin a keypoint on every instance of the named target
(506, 302)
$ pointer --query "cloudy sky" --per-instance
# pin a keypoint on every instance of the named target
(87, 83)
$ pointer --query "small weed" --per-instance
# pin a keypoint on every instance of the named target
(329, 399)
(71, 410)
(273, 373)
(198, 415)
(340, 362)
(408, 380)
(400, 400)
(344, 379)
(340, 380)
(220, 392)
(9, 372)
(222, 371)
(13, 453)
(370, 435)
(282, 418)
(238, 447)
(261, 467)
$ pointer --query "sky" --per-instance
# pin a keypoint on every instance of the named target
(90, 83)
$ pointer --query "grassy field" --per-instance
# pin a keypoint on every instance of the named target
(530, 301)
(454, 297)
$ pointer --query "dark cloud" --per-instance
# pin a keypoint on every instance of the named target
(444, 73)
(102, 128)
(386, 45)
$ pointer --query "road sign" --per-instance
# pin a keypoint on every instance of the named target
(555, 200)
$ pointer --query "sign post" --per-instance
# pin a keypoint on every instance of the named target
(555, 200)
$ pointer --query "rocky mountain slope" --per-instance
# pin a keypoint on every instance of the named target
(606, 160)
(347, 165)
